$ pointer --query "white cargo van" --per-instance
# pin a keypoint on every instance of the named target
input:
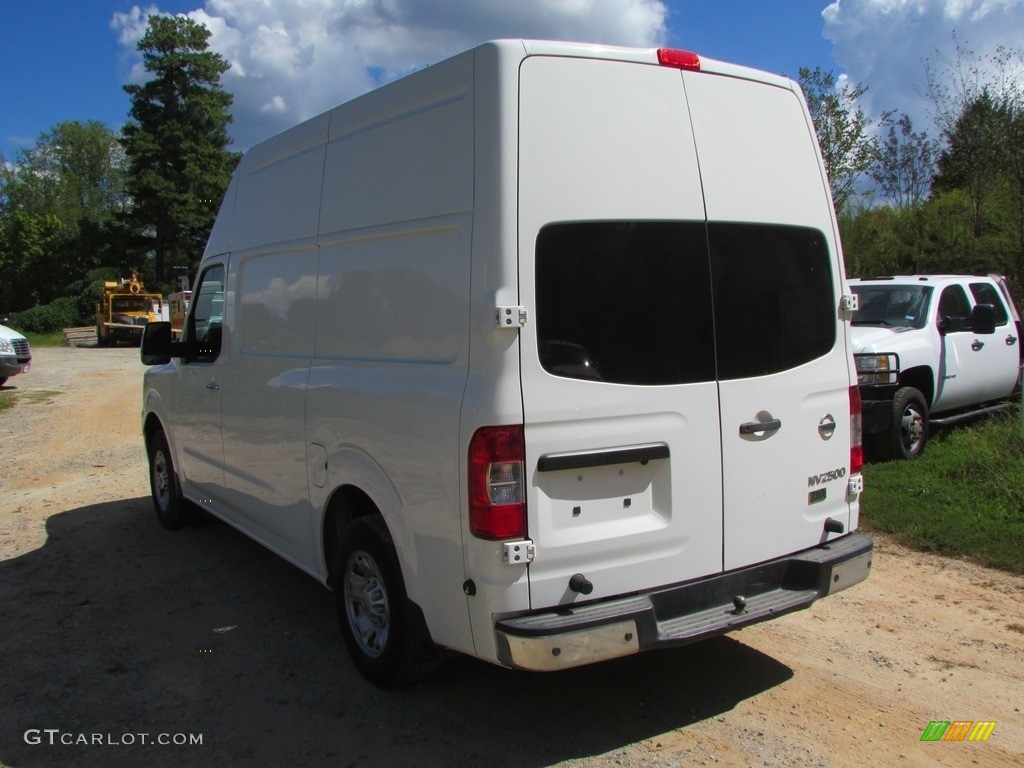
(539, 354)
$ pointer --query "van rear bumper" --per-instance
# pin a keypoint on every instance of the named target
(570, 636)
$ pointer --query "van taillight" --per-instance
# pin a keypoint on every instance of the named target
(497, 494)
(856, 433)
(672, 57)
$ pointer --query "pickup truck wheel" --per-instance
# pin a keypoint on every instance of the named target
(908, 433)
(168, 503)
(383, 631)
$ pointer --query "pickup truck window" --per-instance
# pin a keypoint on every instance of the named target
(893, 306)
(654, 303)
(954, 309)
(987, 294)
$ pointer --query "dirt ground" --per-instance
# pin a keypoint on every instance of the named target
(116, 636)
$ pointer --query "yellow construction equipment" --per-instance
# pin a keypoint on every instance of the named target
(125, 309)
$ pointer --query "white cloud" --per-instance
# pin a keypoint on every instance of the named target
(885, 45)
(292, 59)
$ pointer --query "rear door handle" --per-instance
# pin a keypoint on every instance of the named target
(1011, 340)
(977, 345)
(753, 427)
(213, 386)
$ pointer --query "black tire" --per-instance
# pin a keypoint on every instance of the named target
(385, 634)
(908, 429)
(171, 509)
(3, 380)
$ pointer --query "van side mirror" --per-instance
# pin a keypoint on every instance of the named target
(983, 319)
(158, 346)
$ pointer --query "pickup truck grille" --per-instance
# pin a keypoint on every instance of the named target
(22, 350)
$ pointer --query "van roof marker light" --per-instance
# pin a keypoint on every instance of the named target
(673, 57)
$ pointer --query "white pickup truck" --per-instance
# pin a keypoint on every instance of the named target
(931, 349)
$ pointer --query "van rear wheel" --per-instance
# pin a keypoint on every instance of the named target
(384, 633)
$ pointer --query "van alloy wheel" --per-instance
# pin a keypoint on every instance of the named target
(366, 604)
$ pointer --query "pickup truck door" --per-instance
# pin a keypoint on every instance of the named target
(1002, 349)
(960, 377)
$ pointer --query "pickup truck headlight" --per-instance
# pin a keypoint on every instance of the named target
(877, 369)
(5, 347)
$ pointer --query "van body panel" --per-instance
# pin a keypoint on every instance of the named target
(405, 157)
(269, 171)
(264, 395)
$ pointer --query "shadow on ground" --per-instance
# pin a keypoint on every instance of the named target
(116, 628)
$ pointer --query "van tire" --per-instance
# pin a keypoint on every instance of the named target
(171, 509)
(908, 428)
(385, 634)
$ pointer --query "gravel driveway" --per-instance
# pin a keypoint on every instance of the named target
(124, 644)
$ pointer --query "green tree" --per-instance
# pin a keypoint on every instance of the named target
(58, 203)
(176, 142)
(75, 172)
(904, 164)
(841, 126)
(973, 158)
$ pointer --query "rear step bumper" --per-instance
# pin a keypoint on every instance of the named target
(570, 636)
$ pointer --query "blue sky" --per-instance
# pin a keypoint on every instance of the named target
(294, 58)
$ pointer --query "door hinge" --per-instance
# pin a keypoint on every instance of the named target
(519, 552)
(510, 317)
(855, 487)
(850, 303)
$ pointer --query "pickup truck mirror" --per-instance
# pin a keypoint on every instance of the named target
(983, 319)
(158, 346)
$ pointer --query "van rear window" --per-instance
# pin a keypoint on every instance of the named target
(654, 303)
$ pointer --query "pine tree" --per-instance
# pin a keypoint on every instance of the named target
(176, 142)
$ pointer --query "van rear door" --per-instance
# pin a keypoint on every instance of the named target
(619, 394)
(685, 385)
(782, 357)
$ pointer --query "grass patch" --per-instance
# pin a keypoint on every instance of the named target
(39, 397)
(964, 497)
(55, 339)
(42, 396)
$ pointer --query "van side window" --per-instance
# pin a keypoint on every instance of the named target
(954, 309)
(625, 302)
(206, 321)
(987, 294)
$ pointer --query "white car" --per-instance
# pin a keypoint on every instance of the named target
(15, 354)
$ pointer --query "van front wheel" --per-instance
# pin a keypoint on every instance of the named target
(384, 633)
(170, 507)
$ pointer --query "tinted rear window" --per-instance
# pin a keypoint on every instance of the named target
(647, 302)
